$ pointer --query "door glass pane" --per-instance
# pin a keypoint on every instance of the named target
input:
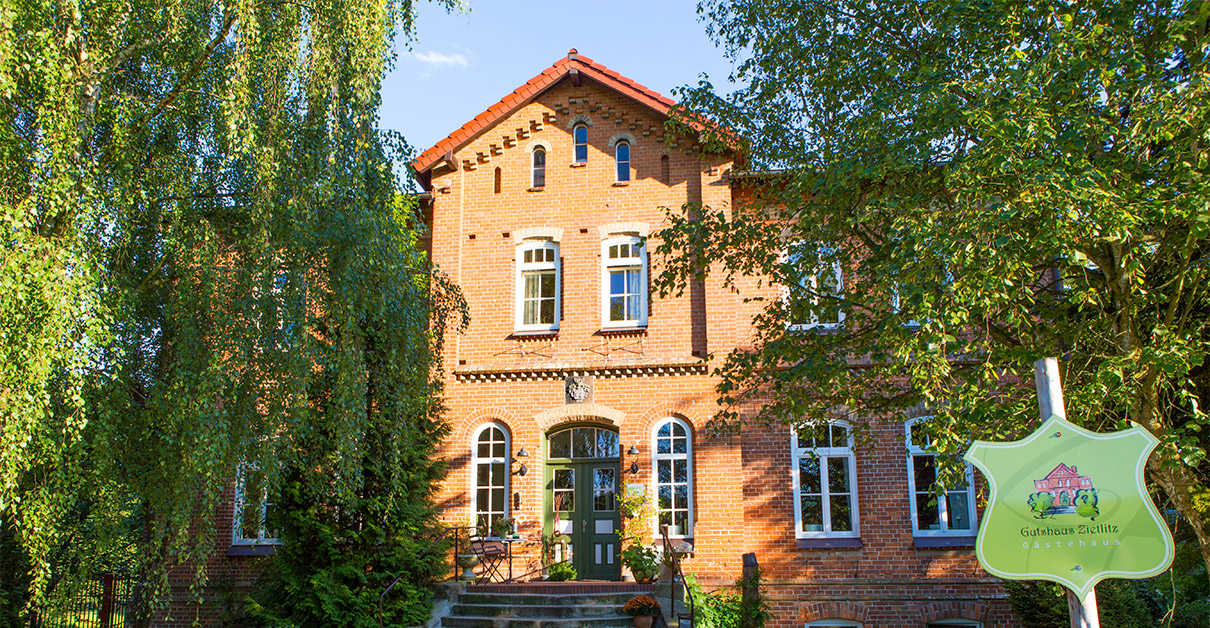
(607, 444)
(583, 442)
(560, 445)
(603, 490)
(564, 498)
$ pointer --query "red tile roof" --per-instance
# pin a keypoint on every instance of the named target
(535, 86)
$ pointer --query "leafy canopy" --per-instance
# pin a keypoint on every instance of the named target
(999, 181)
(204, 263)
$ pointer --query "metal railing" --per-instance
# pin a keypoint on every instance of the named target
(673, 558)
(103, 602)
(443, 534)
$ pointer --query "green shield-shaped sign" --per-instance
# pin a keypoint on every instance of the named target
(1069, 505)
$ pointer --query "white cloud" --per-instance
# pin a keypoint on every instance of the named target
(438, 59)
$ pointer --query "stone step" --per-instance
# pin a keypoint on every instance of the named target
(552, 610)
(549, 599)
(611, 621)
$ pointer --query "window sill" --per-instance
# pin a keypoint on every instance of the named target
(540, 188)
(578, 164)
(621, 184)
(259, 549)
(825, 543)
(534, 333)
(622, 331)
(929, 542)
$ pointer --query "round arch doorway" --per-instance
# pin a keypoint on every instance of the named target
(579, 499)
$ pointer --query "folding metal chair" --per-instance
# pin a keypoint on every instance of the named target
(492, 555)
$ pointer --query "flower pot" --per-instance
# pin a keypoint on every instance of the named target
(643, 621)
(467, 562)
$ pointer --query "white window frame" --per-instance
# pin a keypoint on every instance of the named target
(237, 517)
(942, 504)
(608, 265)
(538, 267)
(956, 621)
(797, 453)
(833, 623)
(476, 460)
(810, 285)
(656, 457)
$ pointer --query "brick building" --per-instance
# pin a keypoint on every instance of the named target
(574, 381)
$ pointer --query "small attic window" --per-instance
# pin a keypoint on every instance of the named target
(539, 178)
(497, 183)
(665, 174)
(580, 137)
(622, 155)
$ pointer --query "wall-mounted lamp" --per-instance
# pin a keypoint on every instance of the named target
(634, 464)
(522, 470)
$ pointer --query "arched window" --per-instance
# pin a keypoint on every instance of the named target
(622, 155)
(538, 286)
(672, 462)
(825, 481)
(580, 137)
(490, 451)
(497, 182)
(949, 514)
(539, 178)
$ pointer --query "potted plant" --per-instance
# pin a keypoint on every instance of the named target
(562, 571)
(643, 562)
(502, 527)
(643, 608)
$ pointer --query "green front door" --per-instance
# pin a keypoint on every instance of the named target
(582, 478)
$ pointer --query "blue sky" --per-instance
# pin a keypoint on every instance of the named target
(462, 63)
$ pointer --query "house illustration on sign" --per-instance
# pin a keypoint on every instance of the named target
(1062, 483)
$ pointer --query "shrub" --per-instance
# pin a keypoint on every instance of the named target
(562, 571)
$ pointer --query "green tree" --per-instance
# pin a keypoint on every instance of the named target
(204, 264)
(999, 181)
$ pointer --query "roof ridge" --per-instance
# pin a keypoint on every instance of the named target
(529, 90)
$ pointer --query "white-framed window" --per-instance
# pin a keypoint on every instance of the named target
(539, 167)
(833, 623)
(621, 152)
(579, 134)
(489, 469)
(672, 464)
(814, 301)
(949, 514)
(538, 286)
(255, 514)
(954, 623)
(623, 282)
(825, 481)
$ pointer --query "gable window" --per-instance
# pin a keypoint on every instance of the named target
(950, 514)
(538, 286)
(255, 515)
(497, 180)
(580, 137)
(622, 155)
(814, 299)
(490, 450)
(825, 472)
(665, 171)
(539, 161)
(624, 282)
(672, 456)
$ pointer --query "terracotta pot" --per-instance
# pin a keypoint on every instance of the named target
(643, 621)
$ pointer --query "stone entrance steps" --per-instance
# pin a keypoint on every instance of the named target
(544, 605)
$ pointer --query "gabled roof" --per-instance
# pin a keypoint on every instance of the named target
(573, 62)
(1062, 471)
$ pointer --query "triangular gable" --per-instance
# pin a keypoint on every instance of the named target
(573, 62)
(1061, 471)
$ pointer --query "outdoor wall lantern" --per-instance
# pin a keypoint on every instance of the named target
(522, 470)
(633, 452)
